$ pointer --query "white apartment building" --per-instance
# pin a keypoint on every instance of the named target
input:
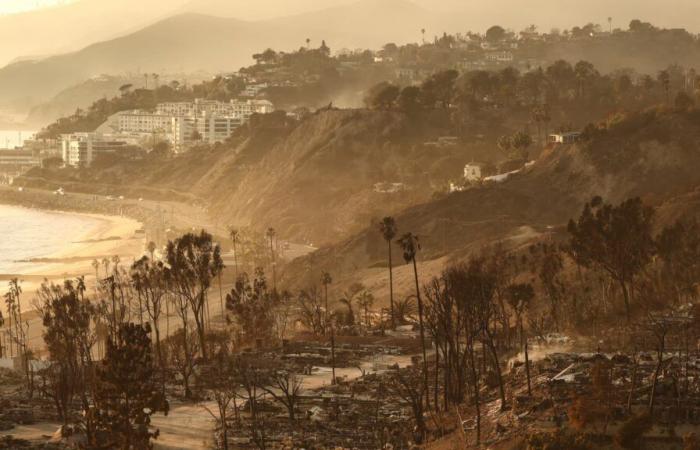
(201, 106)
(176, 108)
(214, 121)
(144, 122)
(204, 129)
(246, 109)
(81, 149)
(18, 159)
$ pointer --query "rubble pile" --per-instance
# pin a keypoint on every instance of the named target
(352, 413)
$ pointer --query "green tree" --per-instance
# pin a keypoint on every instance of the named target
(382, 96)
(409, 100)
(495, 34)
(252, 307)
(521, 142)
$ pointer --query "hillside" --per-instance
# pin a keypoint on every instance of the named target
(652, 154)
(313, 181)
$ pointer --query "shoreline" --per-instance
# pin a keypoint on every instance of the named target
(109, 236)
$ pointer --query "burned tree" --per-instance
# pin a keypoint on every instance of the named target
(409, 386)
(519, 297)
(219, 378)
(616, 239)
(150, 279)
(285, 387)
(69, 339)
(194, 262)
(127, 392)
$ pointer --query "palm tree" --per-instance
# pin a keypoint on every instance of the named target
(308, 42)
(422, 31)
(96, 266)
(151, 247)
(116, 260)
(388, 229)
(106, 263)
(235, 236)
(270, 234)
(410, 245)
(326, 279)
(365, 301)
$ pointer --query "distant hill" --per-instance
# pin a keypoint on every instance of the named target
(80, 96)
(195, 42)
(74, 25)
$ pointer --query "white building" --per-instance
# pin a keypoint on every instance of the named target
(473, 172)
(205, 129)
(500, 57)
(18, 159)
(81, 149)
(565, 138)
(253, 90)
(212, 120)
(144, 122)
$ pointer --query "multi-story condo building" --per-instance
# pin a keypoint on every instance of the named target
(81, 149)
(209, 121)
(144, 122)
(203, 129)
(18, 159)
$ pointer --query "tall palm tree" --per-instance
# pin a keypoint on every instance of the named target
(151, 247)
(388, 229)
(270, 234)
(326, 279)
(422, 31)
(410, 245)
(106, 263)
(235, 236)
(96, 265)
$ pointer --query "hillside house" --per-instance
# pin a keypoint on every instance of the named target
(473, 172)
(500, 57)
(564, 138)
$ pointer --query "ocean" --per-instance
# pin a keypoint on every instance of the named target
(12, 138)
(27, 233)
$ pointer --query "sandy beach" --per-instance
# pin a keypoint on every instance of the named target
(107, 237)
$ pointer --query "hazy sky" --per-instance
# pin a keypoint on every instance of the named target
(43, 23)
(15, 6)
